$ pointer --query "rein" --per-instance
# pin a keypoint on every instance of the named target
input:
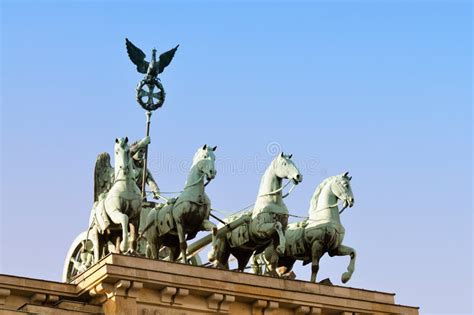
(164, 198)
(289, 191)
(127, 176)
(321, 209)
(187, 186)
(278, 190)
(122, 180)
(197, 182)
(328, 207)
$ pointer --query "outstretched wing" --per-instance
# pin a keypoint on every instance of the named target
(103, 175)
(165, 59)
(137, 56)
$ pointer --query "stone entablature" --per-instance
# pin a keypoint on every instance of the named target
(128, 285)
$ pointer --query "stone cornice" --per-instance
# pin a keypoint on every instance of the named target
(120, 282)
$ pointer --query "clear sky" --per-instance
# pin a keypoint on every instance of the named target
(382, 89)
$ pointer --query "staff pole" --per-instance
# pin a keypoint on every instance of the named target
(145, 159)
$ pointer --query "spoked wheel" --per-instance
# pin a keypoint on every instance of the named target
(78, 260)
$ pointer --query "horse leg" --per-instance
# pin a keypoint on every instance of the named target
(132, 241)
(219, 254)
(174, 252)
(178, 212)
(316, 253)
(343, 250)
(256, 266)
(209, 226)
(119, 218)
(117, 245)
(94, 238)
(135, 205)
(182, 241)
(152, 240)
(285, 266)
(271, 257)
(243, 258)
(157, 246)
(151, 235)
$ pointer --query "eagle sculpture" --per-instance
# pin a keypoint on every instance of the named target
(152, 68)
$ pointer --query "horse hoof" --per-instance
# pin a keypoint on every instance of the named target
(218, 265)
(123, 246)
(346, 277)
(211, 256)
(326, 281)
(132, 252)
(273, 274)
(289, 275)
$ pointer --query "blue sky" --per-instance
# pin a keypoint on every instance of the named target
(382, 89)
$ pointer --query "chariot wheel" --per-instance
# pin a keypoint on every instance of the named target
(73, 257)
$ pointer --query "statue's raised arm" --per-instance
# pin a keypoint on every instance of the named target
(139, 145)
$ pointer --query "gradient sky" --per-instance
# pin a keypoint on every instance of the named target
(382, 89)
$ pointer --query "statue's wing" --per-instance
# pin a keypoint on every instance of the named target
(165, 59)
(102, 177)
(137, 56)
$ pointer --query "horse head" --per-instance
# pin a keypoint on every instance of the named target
(285, 168)
(205, 160)
(341, 188)
(122, 157)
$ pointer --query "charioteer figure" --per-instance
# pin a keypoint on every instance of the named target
(137, 151)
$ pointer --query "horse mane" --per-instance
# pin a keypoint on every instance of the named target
(195, 158)
(317, 192)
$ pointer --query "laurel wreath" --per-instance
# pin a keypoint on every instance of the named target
(150, 105)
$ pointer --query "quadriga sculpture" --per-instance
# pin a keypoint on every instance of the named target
(269, 219)
(182, 218)
(321, 233)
